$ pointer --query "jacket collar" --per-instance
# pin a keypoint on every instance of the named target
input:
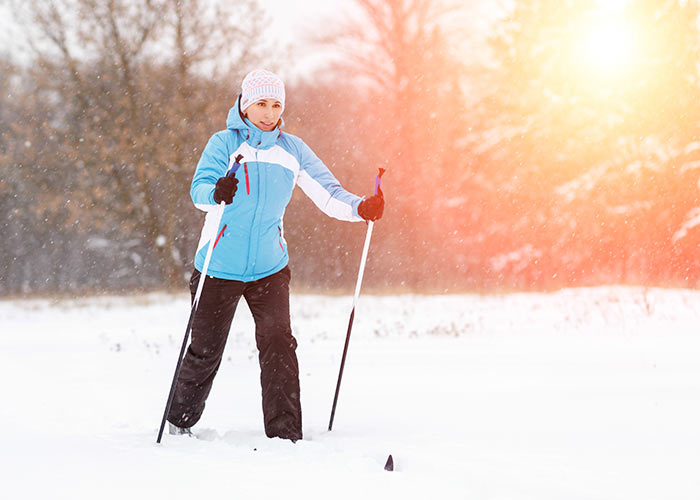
(257, 138)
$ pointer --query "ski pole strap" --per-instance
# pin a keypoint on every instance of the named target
(378, 180)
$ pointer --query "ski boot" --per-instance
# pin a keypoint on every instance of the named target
(179, 431)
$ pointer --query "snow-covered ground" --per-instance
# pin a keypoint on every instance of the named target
(580, 394)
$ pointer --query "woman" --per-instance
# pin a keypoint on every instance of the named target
(250, 257)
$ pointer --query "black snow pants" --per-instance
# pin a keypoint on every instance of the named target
(268, 300)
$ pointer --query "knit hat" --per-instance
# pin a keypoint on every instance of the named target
(260, 84)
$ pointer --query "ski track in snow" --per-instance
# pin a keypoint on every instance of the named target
(589, 393)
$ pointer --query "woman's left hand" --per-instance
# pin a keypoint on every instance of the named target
(372, 208)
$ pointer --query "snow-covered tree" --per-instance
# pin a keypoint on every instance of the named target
(594, 110)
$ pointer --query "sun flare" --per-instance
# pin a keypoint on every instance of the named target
(605, 41)
(608, 45)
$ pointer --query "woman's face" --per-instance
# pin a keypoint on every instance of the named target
(264, 114)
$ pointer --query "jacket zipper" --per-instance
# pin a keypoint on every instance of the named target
(248, 268)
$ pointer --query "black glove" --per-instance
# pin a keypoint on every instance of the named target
(225, 190)
(372, 208)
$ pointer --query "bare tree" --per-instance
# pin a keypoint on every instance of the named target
(140, 87)
(404, 56)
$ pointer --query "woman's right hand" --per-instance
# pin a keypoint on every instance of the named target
(225, 190)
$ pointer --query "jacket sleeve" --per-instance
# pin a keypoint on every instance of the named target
(212, 165)
(319, 184)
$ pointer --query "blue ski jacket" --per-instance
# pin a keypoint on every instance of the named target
(250, 244)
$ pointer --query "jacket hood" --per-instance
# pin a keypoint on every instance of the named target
(254, 136)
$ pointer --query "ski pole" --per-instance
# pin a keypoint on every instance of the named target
(195, 302)
(363, 260)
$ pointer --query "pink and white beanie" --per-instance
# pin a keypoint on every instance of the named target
(261, 84)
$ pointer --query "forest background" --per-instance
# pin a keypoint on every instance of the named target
(529, 144)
